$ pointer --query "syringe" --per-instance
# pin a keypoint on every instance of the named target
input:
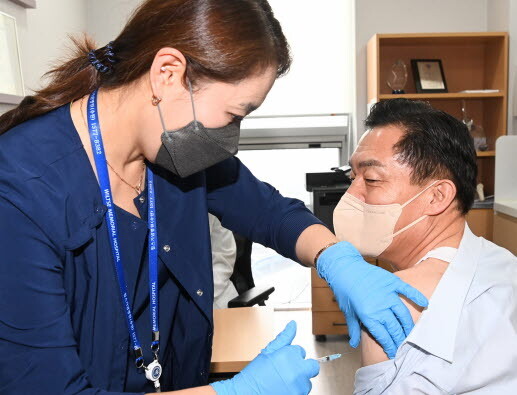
(328, 358)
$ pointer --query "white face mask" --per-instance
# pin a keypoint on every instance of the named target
(370, 227)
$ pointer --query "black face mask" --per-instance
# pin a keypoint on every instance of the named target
(194, 147)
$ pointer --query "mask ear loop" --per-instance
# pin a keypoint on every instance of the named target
(192, 101)
(419, 219)
(157, 104)
(409, 226)
(419, 193)
(161, 116)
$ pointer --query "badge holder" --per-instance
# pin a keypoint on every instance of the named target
(153, 371)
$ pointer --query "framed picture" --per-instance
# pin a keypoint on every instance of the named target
(11, 79)
(429, 76)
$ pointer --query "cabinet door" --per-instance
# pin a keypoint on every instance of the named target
(329, 323)
(323, 299)
(481, 222)
(505, 232)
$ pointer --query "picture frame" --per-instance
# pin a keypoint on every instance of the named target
(11, 76)
(429, 76)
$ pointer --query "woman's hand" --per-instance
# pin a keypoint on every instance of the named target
(370, 295)
(279, 369)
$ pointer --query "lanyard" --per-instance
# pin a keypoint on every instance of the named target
(153, 370)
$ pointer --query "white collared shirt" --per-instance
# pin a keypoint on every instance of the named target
(466, 340)
(224, 253)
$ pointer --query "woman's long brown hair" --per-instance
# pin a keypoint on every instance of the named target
(222, 40)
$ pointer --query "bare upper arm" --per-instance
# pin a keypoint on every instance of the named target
(425, 278)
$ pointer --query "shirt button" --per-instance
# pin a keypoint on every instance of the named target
(134, 225)
(199, 292)
(98, 209)
(166, 248)
(141, 199)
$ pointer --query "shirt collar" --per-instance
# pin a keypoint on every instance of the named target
(437, 327)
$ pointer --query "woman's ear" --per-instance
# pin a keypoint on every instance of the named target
(442, 194)
(167, 72)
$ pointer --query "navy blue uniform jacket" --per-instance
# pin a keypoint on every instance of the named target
(62, 327)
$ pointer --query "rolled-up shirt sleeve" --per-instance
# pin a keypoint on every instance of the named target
(369, 378)
(38, 352)
(255, 209)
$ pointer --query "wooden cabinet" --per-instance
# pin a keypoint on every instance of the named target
(327, 318)
(471, 61)
(505, 231)
(481, 222)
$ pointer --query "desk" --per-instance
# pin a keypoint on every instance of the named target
(239, 335)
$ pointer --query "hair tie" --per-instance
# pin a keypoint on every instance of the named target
(110, 57)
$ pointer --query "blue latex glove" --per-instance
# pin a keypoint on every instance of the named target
(368, 294)
(280, 369)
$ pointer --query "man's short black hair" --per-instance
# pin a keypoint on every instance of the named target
(434, 145)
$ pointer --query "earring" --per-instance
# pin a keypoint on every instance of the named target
(163, 68)
(155, 100)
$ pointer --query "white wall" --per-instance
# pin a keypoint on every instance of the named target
(42, 35)
(409, 16)
(106, 18)
(502, 16)
(321, 75)
(498, 15)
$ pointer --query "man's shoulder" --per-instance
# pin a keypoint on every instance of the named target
(496, 272)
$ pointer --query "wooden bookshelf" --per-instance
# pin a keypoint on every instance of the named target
(481, 154)
(441, 96)
(471, 61)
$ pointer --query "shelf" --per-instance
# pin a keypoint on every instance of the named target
(440, 38)
(481, 154)
(476, 60)
(442, 96)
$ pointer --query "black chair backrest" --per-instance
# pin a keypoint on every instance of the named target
(242, 276)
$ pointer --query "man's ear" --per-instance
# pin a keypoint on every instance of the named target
(442, 195)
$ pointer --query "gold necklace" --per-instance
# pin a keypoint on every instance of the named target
(137, 188)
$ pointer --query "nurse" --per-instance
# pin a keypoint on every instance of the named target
(106, 178)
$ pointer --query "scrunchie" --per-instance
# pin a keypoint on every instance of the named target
(110, 57)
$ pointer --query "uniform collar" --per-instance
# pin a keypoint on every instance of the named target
(436, 330)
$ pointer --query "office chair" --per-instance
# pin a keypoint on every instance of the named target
(242, 278)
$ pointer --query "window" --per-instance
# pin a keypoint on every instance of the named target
(285, 169)
(321, 78)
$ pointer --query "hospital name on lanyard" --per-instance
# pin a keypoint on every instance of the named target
(153, 370)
